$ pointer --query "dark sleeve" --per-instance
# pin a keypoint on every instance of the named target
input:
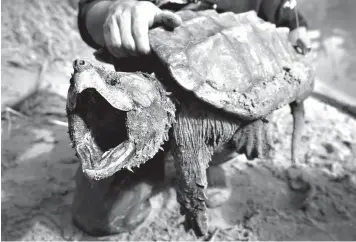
(276, 11)
(84, 7)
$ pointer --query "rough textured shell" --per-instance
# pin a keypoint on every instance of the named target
(221, 56)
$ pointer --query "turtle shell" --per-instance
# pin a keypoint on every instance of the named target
(222, 57)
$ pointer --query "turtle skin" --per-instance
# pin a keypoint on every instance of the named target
(217, 79)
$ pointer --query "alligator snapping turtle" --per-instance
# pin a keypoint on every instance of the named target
(216, 80)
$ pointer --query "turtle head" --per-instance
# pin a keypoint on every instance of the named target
(116, 120)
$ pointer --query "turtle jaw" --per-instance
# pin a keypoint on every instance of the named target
(110, 162)
(118, 121)
(102, 145)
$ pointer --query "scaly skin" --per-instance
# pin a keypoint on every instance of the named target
(197, 133)
(135, 110)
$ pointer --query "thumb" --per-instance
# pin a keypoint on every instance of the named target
(167, 19)
(299, 34)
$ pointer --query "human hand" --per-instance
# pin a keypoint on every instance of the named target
(300, 39)
(127, 24)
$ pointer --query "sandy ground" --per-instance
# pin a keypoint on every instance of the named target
(37, 187)
(38, 165)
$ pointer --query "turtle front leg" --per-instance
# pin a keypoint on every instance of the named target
(191, 157)
(191, 165)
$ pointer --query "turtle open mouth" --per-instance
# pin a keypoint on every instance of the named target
(116, 120)
(110, 162)
(105, 147)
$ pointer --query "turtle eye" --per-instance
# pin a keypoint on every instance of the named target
(113, 82)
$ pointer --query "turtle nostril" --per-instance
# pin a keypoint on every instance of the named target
(81, 62)
(79, 65)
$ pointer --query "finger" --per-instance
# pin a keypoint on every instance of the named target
(303, 43)
(167, 19)
(112, 37)
(128, 43)
(103, 55)
(314, 34)
(297, 33)
(315, 45)
(306, 41)
(140, 27)
(293, 37)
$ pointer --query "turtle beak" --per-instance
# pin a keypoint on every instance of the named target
(86, 76)
(76, 85)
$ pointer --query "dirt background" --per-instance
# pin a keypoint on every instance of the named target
(39, 41)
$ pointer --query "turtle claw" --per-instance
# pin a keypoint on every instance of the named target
(300, 181)
(198, 222)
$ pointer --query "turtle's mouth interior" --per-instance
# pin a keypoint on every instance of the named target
(107, 126)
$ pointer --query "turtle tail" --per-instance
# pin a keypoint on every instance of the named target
(297, 110)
